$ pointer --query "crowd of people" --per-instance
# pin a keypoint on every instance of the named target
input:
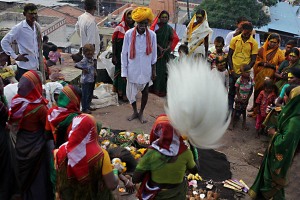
(50, 147)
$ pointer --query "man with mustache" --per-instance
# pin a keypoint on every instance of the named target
(138, 59)
(28, 36)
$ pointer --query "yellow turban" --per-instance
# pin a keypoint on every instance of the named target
(142, 13)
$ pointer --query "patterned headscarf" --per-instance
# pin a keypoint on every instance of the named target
(164, 139)
(82, 149)
(68, 107)
(29, 94)
(122, 27)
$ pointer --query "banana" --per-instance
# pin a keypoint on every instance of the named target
(190, 177)
(199, 178)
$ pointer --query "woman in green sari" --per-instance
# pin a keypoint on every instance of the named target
(162, 169)
(164, 35)
(272, 175)
(284, 69)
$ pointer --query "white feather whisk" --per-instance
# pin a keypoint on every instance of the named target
(197, 102)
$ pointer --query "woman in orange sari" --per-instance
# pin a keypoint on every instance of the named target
(268, 59)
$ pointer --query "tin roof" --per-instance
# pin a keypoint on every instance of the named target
(285, 18)
(38, 2)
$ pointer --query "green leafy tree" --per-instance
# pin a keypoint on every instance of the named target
(269, 2)
(223, 14)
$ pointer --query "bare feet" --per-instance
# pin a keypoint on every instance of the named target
(133, 116)
(141, 118)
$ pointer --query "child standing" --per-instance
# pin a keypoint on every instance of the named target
(265, 98)
(54, 56)
(221, 68)
(244, 88)
(183, 52)
(87, 77)
(219, 44)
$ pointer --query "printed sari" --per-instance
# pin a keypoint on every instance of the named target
(59, 118)
(195, 36)
(286, 69)
(79, 163)
(272, 56)
(58, 122)
(165, 145)
(165, 36)
(272, 175)
(28, 111)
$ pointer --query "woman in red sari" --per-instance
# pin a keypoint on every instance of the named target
(59, 118)
(28, 112)
(84, 169)
(117, 43)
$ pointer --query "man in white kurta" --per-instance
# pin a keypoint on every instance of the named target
(138, 58)
(27, 35)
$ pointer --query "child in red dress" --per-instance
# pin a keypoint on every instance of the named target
(265, 98)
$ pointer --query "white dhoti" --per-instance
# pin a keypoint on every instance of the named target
(132, 89)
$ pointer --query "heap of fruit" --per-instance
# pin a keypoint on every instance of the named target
(106, 133)
(118, 164)
(137, 153)
(196, 177)
(143, 139)
(125, 136)
(106, 144)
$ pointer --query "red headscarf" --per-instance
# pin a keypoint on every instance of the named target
(164, 139)
(68, 102)
(82, 149)
(68, 105)
(28, 96)
(122, 27)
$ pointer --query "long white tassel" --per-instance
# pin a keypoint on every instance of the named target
(197, 102)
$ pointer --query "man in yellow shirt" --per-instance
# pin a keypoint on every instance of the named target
(242, 54)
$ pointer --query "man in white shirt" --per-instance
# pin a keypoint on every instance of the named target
(88, 31)
(28, 36)
(86, 27)
(230, 35)
(138, 58)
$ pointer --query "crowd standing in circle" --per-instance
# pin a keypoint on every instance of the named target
(53, 149)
